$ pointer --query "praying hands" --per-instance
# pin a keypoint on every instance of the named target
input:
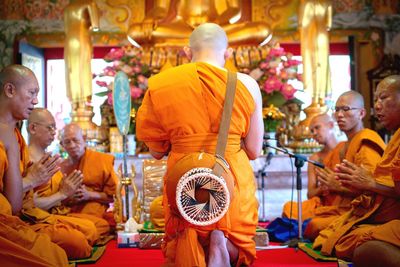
(350, 175)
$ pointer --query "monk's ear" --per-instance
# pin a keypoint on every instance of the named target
(31, 128)
(362, 113)
(188, 52)
(9, 89)
(228, 53)
(331, 124)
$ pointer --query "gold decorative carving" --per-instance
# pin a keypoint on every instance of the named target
(119, 14)
(276, 13)
(170, 22)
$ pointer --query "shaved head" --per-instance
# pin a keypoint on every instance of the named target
(14, 74)
(387, 102)
(355, 98)
(41, 128)
(72, 128)
(19, 90)
(321, 128)
(391, 82)
(39, 115)
(323, 117)
(73, 141)
(208, 36)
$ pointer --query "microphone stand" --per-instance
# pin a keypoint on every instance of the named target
(262, 173)
(299, 163)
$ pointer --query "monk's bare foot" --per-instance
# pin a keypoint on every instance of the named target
(376, 253)
(218, 251)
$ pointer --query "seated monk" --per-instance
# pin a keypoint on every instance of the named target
(75, 239)
(19, 244)
(322, 129)
(172, 24)
(61, 230)
(363, 146)
(49, 196)
(99, 178)
(375, 215)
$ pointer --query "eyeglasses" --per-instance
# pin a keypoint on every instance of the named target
(50, 128)
(344, 109)
(68, 142)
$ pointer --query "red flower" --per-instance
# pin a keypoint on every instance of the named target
(136, 92)
(109, 98)
(293, 62)
(101, 83)
(272, 84)
(114, 54)
(276, 52)
(109, 71)
(288, 91)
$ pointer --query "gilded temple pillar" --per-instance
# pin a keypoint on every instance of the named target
(80, 17)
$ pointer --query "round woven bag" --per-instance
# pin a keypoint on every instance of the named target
(195, 192)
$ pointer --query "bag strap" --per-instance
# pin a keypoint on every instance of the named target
(225, 121)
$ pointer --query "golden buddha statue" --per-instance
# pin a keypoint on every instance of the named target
(79, 17)
(170, 22)
(315, 20)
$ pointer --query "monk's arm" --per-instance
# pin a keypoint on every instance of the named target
(12, 177)
(385, 190)
(313, 189)
(252, 143)
(40, 172)
(368, 156)
(47, 203)
(158, 155)
(99, 197)
(352, 175)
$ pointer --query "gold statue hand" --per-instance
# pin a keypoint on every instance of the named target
(148, 26)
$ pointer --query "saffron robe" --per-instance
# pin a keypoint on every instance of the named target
(365, 148)
(182, 110)
(63, 231)
(98, 175)
(19, 244)
(53, 186)
(372, 216)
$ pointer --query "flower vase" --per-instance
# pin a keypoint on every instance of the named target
(271, 141)
(130, 144)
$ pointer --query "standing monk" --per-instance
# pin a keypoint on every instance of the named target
(322, 128)
(375, 216)
(363, 146)
(99, 178)
(181, 114)
(19, 244)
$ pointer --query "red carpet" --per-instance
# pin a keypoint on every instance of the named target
(153, 258)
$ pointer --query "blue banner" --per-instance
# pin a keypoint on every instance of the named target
(122, 102)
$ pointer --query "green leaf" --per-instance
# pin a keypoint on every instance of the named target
(276, 99)
(104, 93)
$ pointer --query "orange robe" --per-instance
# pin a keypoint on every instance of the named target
(98, 175)
(19, 244)
(52, 187)
(182, 109)
(63, 231)
(365, 148)
(372, 216)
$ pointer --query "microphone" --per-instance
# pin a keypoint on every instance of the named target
(302, 157)
(269, 157)
(267, 137)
